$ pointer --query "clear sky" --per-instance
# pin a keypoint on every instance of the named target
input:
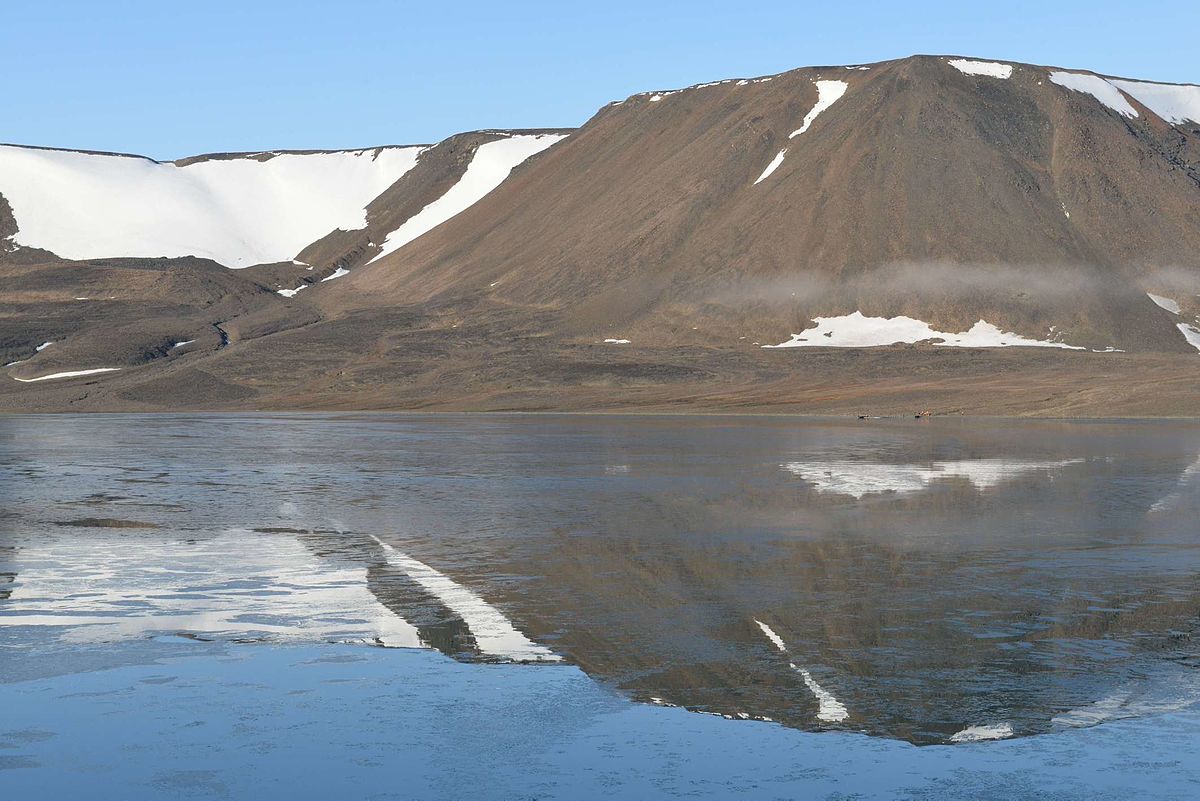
(169, 79)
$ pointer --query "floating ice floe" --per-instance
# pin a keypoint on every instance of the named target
(237, 211)
(491, 164)
(1175, 103)
(1098, 88)
(70, 374)
(858, 479)
(992, 69)
(829, 708)
(859, 331)
(974, 734)
(237, 583)
(1125, 704)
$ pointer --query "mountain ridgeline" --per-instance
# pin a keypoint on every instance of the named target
(933, 233)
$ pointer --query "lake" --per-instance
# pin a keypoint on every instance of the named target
(537, 606)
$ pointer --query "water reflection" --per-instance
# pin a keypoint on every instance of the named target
(938, 582)
(861, 478)
(98, 586)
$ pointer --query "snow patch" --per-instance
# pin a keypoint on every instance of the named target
(181, 344)
(828, 93)
(1098, 88)
(291, 293)
(70, 374)
(1174, 102)
(238, 211)
(616, 342)
(338, 273)
(859, 331)
(1164, 303)
(491, 164)
(1190, 333)
(772, 167)
(992, 69)
(975, 734)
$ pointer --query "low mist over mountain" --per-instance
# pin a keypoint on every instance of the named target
(935, 234)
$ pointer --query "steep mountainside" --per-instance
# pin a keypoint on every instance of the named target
(910, 187)
(928, 233)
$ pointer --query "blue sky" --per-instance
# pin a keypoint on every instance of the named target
(167, 79)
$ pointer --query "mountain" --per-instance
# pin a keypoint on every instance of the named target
(932, 233)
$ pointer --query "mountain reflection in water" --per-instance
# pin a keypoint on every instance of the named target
(936, 581)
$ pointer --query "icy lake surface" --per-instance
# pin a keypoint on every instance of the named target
(503, 607)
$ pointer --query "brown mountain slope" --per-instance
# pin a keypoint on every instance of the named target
(702, 223)
(648, 220)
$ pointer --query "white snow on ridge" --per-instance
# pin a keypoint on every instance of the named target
(992, 69)
(1174, 102)
(491, 164)
(237, 211)
(1098, 88)
(70, 374)
(828, 93)
(1190, 333)
(1164, 303)
(859, 331)
(338, 273)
